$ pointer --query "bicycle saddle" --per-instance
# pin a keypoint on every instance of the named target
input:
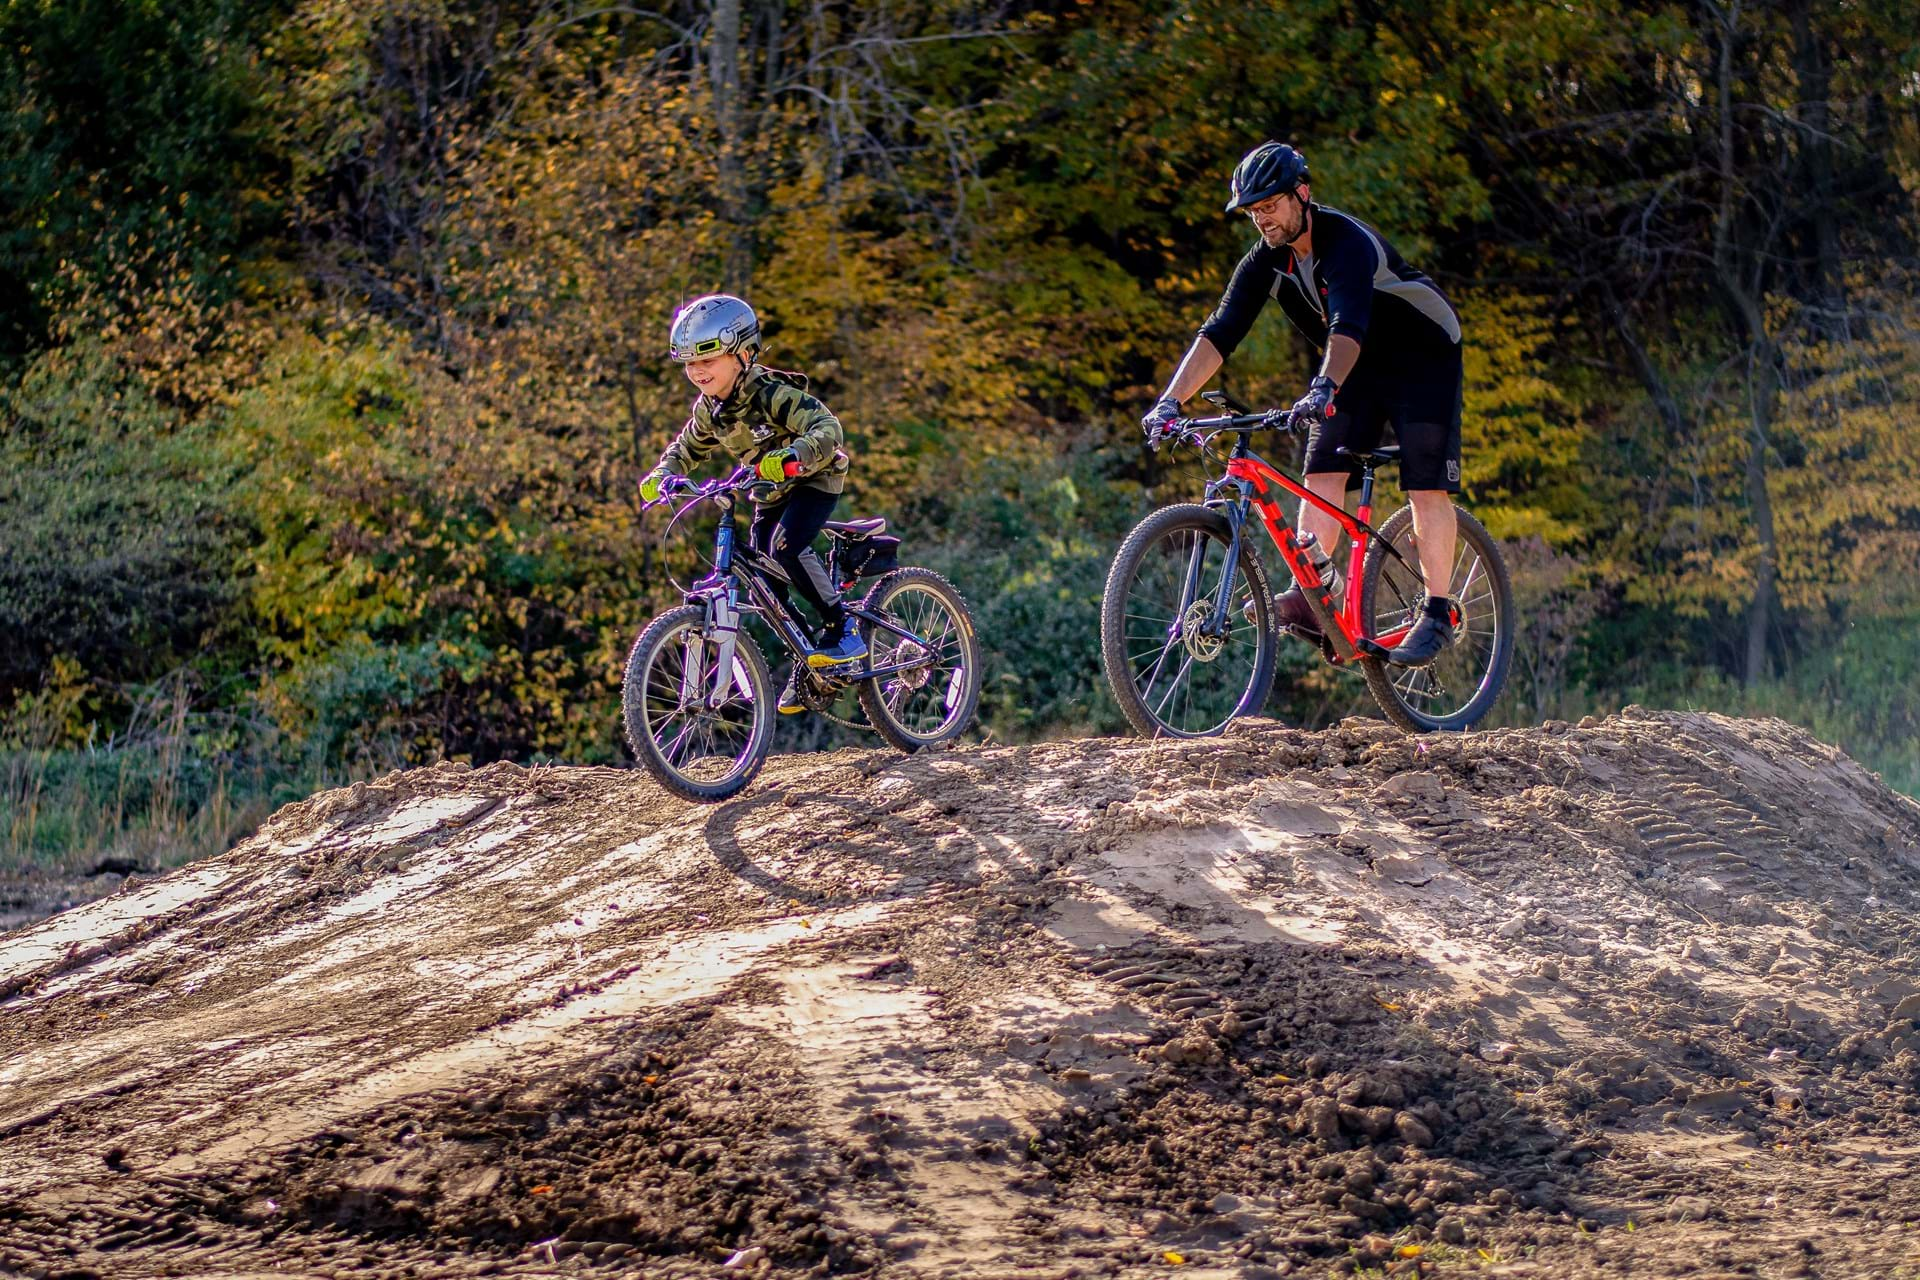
(1371, 457)
(857, 528)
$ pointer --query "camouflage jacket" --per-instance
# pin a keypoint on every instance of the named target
(768, 410)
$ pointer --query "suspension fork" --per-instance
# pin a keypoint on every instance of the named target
(720, 593)
(723, 623)
(1236, 513)
(1196, 561)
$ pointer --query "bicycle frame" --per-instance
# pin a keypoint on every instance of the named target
(718, 592)
(1255, 480)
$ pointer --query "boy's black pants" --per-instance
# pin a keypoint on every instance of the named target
(786, 531)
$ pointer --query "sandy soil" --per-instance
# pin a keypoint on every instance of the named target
(1634, 998)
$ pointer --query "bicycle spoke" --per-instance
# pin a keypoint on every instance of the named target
(1153, 676)
(917, 698)
(1454, 690)
(1174, 688)
(675, 751)
(700, 743)
(1466, 586)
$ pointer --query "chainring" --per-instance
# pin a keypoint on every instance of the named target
(818, 694)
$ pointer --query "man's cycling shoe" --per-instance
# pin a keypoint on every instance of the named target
(1428, 640)
(790, 704)
(848, 648)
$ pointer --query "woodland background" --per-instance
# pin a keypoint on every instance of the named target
(331, 347)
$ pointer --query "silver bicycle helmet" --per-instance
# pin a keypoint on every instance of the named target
(718, 324)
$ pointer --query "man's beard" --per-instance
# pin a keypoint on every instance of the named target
(1285, 235)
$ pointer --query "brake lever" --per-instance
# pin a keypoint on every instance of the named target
(670, 491)
(1177, 429)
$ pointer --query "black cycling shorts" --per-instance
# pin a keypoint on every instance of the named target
(1418, 394)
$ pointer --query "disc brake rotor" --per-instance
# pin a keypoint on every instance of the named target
(1203, 647)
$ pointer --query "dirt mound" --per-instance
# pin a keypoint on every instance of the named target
(1637, 997)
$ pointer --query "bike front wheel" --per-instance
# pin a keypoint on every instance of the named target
(1177, 669)
(1461, 686)
(934, 699)
(693, 746)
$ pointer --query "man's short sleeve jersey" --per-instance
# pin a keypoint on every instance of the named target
(1354, 283)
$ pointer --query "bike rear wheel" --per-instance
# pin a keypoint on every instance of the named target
(935, 700)
(692, 749)
(1461, 686)
(1171, 674)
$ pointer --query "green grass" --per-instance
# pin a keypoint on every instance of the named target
(1861, 693)
(65, 810)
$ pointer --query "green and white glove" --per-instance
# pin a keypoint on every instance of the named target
(774, 466)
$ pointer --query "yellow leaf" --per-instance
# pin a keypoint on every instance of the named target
(1175, 1258)
(1408, 1251)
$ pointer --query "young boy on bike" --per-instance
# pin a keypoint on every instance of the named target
(765, 418)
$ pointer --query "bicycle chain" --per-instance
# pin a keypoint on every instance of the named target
(819, 702)
(866, 728)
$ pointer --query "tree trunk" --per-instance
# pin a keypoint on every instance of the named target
(724, 66)
(1763, 384)
(1813, 71)
(1738, 267)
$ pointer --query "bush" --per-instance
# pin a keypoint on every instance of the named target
(115, 545)
(1029, 548)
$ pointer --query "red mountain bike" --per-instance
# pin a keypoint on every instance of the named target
(1187, 630)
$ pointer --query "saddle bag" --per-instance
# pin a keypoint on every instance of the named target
(867, 557)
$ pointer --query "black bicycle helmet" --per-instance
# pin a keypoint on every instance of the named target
(1268, 170)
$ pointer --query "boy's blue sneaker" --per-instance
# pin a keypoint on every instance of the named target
(848, 648)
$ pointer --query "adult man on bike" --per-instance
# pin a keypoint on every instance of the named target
(1392, 354)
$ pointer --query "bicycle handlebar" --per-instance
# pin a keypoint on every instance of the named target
(1195, 430)
(673, 487)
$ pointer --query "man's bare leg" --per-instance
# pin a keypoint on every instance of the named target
(1437, 535)
(1332, 486)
